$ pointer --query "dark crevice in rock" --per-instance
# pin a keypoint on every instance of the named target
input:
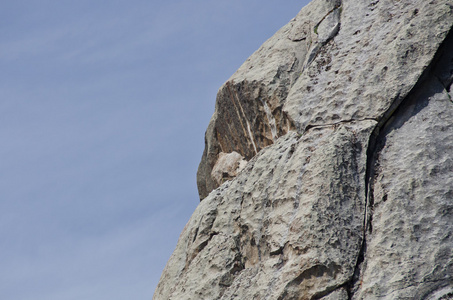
(315, 271)
(195, 235)
(443, 71)
(350, 286)
(310, 126)
(377, 138)
(235, 267)
(205, 243)
(279, 251)
(446, 87)
(198, 249)
(205, 232)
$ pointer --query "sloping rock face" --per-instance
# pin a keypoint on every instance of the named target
(344, 119)
(249, 111)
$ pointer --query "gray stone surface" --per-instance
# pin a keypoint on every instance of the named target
(377, 56)
(328, 65)
(340, 294)
(249, 107)
(227, 166)
(409, 249)
(279, 226)
(345, 117)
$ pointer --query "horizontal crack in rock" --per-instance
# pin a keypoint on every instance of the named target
(310, 126)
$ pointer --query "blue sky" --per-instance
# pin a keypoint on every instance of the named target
(103, 110)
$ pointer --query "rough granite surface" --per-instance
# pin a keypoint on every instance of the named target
(328, 166)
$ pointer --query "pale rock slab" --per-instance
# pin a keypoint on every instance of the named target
(227, 166)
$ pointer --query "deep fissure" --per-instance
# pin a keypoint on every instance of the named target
(375, 144)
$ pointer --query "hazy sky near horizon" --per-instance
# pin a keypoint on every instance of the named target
(103, 107)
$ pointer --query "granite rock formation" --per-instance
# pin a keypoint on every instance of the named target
(328, 166)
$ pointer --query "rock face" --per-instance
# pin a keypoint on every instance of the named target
(328, 166)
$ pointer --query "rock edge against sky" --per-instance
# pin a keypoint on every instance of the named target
(327, 171)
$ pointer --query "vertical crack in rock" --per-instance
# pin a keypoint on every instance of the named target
(440, 69)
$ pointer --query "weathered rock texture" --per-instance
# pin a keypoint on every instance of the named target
(339, 130)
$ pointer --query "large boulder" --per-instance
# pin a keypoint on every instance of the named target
(328, 167)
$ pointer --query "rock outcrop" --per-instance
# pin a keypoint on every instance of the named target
(328, 166)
